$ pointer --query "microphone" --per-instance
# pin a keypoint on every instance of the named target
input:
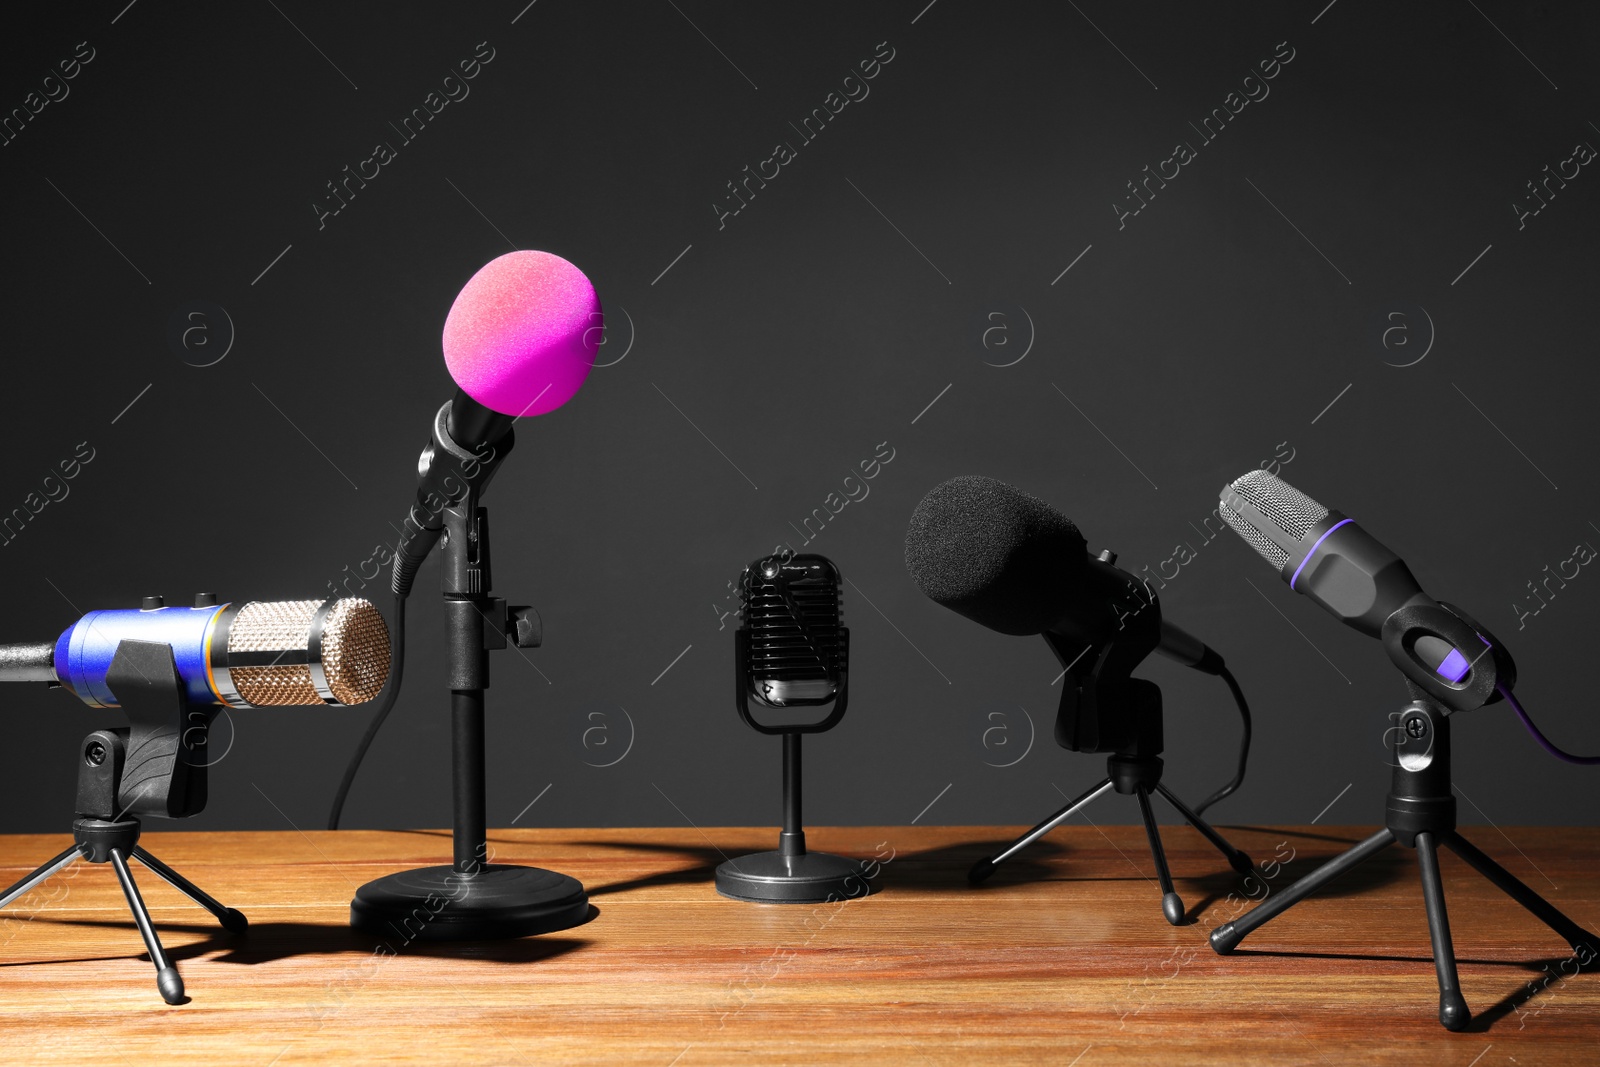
(795, 645)
(251, 655)
(1319, 552)
(1324, 555)
(1451, 663)
(791, 651)
(1010, 562)
(519, 340)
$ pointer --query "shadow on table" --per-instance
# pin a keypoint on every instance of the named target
(267, 942)
(1047, 860)
(1482, 1020)
(945, 868)
(941, 869)
(702, 868)
(1528, 992)
(449, 836)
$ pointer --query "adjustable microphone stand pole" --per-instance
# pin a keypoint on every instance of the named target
(465, 545)
(792, 840)
(472, 899)
(1420, 814)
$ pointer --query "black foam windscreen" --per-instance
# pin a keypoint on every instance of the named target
(997, 555)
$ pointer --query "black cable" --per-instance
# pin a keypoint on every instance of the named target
(391, 690)
(1538, 735)
(1244, 744)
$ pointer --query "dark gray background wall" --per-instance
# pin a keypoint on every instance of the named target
(942, 269)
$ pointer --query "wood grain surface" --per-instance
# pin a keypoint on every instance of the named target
(1063, 957)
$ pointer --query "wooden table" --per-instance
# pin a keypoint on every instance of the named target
(1063, 954)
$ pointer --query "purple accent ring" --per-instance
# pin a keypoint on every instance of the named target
(1314, 548)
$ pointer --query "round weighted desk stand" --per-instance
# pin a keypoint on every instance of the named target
(791, 875)
(154, 766)
(1104, 710)
(473, 899)
(1421, 814)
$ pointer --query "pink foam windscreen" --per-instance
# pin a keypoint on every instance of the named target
(522, 335)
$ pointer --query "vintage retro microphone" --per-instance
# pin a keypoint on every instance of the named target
(171, 670)
(1010, 562)
(519, 340)
(792, 651)
(1451, 663)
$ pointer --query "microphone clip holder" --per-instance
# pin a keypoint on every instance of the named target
(1448, 655)
(146, 768)
(449, 474)
(1103, 709)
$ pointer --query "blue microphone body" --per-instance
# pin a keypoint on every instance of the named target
(84, 651)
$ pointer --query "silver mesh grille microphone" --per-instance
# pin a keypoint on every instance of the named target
(300, 652)
(1287, 508)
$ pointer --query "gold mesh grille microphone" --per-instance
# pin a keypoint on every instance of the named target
(299, 652)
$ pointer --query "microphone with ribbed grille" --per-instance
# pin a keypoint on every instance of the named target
(795, 646)
(791, 651)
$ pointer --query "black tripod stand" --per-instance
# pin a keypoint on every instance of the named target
(1134, 767)
(155, 766)
(1105, 709)
(1421, 814)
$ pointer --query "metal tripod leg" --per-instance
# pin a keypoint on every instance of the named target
(1235, 857)
(167, 980)
(1171, 903)
(1453, 1013)
(1225, 938)
(232, 921)
(985, 867)
(45, 870)
(1583, 943)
